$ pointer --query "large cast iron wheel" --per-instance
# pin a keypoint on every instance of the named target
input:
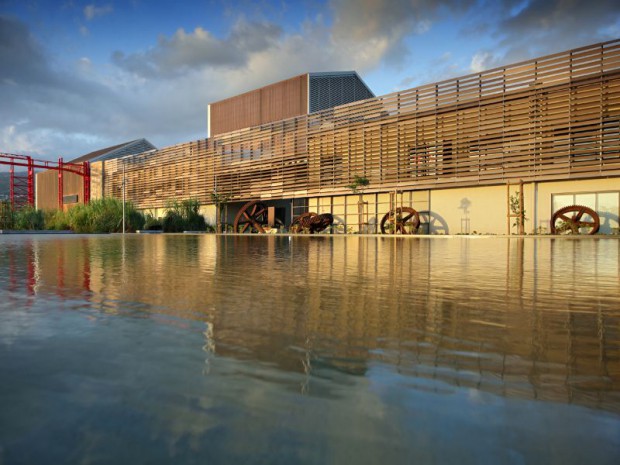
(405, 221)
(321, 222)
(312, 222)
(575, 219)
(302, 221)
(251, 218)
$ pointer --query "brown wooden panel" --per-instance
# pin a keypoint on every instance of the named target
(282, 100)
(47, 190)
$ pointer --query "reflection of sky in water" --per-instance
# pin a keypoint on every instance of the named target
(197, 349)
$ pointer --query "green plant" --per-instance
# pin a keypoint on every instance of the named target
(183, 216)
(6, 215)
(359, 182)
(219, 200)
(541, 230)
(56, 220)
(29, 218)
(104, 216)
(151, 223)
(357, 187)
(515, 208)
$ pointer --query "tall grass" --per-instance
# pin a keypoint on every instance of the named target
(26, 218)
(104, 216)
(7, 215)
(29, 218)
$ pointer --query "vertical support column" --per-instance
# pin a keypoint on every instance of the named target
(12, 186)
(521, 209)
(508, 210)
(30, 182)
(86, 188)
(60, 186)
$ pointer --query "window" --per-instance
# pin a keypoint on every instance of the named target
(606, 204)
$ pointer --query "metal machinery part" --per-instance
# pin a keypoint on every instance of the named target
(575, 219)
(312, 222)
(403, 220)
(252, 217)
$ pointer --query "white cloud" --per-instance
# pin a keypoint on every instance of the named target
(480, 61)
(93, 11)
(185, 51)
(161, 92)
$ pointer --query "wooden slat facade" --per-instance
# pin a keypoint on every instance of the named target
(551, 118)
(278, 101)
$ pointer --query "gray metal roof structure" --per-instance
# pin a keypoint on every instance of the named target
(333, 88)
(116, 151)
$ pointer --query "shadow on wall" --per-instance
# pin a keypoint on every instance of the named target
(465, 204)
(432, 223)
(609, 223)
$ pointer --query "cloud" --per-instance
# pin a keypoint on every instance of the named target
(44, 109)
(526, 29)
(390, 23)
(92, 11)
(54, 106)
(185, 51)
(20, 49)
(481, 61)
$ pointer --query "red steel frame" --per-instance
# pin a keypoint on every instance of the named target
(21, 191)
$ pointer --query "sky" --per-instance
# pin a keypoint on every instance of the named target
(77, 76)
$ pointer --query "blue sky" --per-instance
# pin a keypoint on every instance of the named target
(77, 76)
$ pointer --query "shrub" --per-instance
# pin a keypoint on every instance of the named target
(151, 223)
(173, 222)
(184, 216)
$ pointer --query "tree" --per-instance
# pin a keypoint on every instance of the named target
(357, 187)
(219, 200)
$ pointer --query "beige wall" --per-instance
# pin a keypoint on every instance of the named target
(481, 210)
(547, 189)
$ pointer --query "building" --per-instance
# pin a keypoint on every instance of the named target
(455, 150)
(56, 189)
(299, 95)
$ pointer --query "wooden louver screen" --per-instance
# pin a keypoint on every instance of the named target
(555, 117)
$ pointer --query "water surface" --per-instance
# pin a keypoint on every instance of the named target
(205, 349)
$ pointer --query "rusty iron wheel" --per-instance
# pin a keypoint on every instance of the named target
(302, 221)
(251, 218)
(575, 219)
(321, 222)
(312, 222)
(400, 221)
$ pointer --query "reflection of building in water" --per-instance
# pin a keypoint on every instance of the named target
(526, 318)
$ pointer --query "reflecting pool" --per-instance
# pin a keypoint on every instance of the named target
(323, 350)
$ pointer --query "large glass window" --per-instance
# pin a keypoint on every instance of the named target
(606, 204)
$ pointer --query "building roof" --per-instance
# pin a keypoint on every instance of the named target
(115, 151)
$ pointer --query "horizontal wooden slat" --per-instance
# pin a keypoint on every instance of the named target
(550, 118)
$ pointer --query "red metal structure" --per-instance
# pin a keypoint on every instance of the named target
(21, 188)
